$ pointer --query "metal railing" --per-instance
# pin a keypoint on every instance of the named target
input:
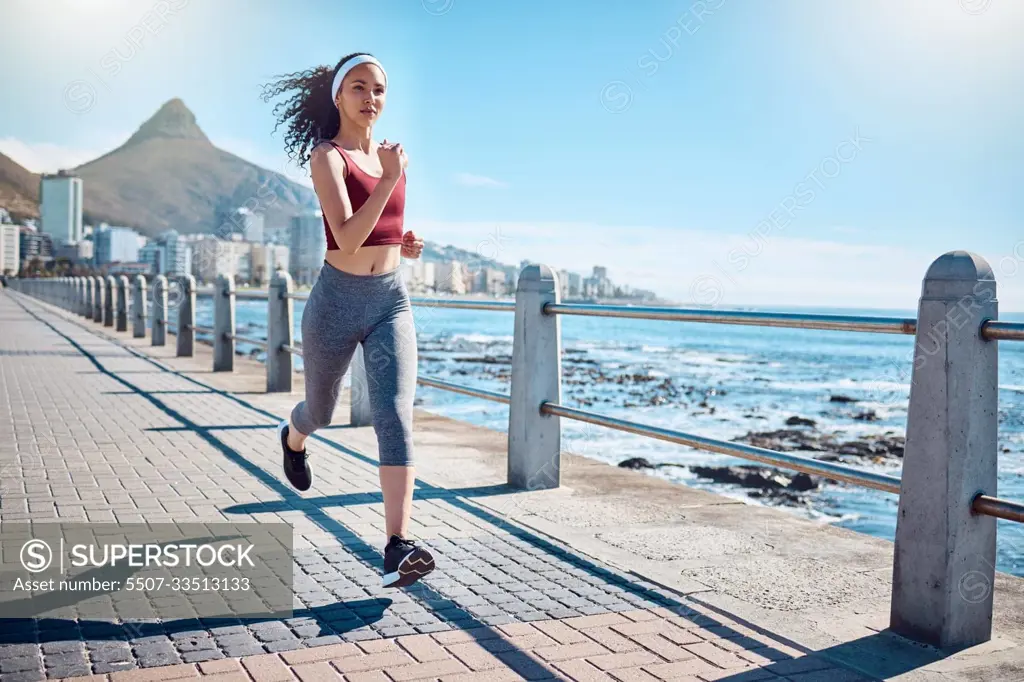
(968, 380)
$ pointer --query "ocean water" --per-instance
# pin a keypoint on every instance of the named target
(728, 379)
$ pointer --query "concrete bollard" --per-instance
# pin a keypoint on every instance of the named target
(110, 305)
(65, 293)
(88, 287)
(99, 299)
(139, 308)
(944, 557)
(158, 330)
(534, 439)
(224, 325)
(280, 326)
(186, 340)
(360, 411)
(122, 303)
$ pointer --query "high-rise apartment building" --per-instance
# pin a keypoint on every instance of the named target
(60, 207)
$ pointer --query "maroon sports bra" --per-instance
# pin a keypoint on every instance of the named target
(360, 185)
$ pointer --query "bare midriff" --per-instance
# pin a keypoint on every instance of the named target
(368, 260)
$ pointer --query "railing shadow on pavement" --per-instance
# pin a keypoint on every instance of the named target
(852, 654)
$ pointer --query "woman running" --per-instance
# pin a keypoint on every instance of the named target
(360, 296)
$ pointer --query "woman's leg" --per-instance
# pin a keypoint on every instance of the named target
(330, 332)
(390, 357)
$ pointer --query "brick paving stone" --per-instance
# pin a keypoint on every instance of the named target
(565, 652)
(581, 671)
(266, 668)
(23, 676)
(316, 672)
(639, 675)
(367, 676)
(633, 659)
(680, 669)
(383, 661)
(20, 664)
(612, 640)
(222, 666)
(719, 657)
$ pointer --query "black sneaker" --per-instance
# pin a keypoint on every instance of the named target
(296, 468)
(405, 563)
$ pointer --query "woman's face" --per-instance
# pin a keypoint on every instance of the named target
(362, 94)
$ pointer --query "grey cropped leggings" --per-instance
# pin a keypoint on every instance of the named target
(373, 310)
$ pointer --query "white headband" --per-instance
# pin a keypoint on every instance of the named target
(348, 66)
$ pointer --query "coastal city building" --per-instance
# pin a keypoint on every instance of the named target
(308, 247)
(115, 245)
(212, 257)
(249, 225)
(451, 278)
(75, 252)
(60, 207)
(266, 260)
(10, 247)
(33, 244)
(167, 254)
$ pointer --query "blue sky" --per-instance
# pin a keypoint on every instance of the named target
(725, 151)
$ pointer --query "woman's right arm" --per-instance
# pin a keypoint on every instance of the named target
(350, 229)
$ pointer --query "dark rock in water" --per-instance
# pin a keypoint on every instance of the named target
(800, 421)
(842, 399)
(488, 360)
(867, 416)
(787, 440)
(744, 475)
(802, 482)
(768, 482)
(636, 463)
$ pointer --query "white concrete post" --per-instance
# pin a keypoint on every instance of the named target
(360, 411)
(534, 439)
(158, 331)
(187, 318)
(99, 299)
(139, 306)
(110, 305)
(224, 324)
(65, 290)
(122, 303)
(280, 326)
(76, 306)
(944, 559)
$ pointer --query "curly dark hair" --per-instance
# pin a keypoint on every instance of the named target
(309, 113)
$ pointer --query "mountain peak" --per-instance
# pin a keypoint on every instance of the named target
(174, 121)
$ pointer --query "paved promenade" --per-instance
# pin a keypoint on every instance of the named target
(615, 576)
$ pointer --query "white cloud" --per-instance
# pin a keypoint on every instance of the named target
(44, 157)
(692, 266)
(471, 180)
